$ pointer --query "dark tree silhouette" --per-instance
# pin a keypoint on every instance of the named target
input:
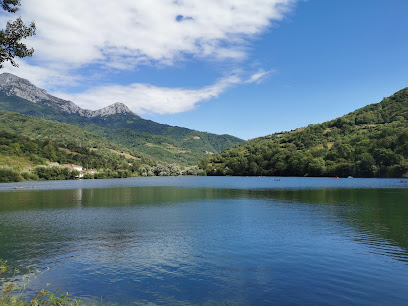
(10, 38)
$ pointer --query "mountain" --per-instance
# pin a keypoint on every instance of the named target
(369, 142)
(115, 122)
(13, 86)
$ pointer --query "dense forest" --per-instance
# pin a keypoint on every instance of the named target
(369, 142)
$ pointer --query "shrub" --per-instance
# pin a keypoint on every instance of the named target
(89, 176)
(55, 173)
(8, 174)
(29, 176)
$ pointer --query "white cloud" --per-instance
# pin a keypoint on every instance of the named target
(121, 35)
(111, 33)
(43, 76)
(145, 98)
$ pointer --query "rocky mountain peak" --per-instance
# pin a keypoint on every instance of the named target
(12, 85)
(116, 108)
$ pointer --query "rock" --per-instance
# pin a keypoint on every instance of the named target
(117, 108)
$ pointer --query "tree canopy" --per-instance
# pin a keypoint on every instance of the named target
(10, 38)
(369, 142)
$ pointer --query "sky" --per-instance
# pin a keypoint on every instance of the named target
(239, 67)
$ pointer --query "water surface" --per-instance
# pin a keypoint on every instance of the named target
(222, 240)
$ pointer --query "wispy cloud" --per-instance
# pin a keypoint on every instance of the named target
(145, 98)
(259, 76)
(44, 77)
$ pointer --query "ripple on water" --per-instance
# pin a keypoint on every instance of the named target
(201, 245)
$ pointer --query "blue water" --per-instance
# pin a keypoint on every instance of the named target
(214, 182)
(206, 240)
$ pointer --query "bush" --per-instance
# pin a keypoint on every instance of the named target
(55, 173)
(89, 176)
(400, 170)
(194, 170)
(167, 170)
(145, 170)
(29, 176)
(8, 174)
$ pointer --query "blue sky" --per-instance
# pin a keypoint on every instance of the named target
(246, 68)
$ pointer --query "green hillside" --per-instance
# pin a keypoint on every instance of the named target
(64, 134)
(33, 148)
(369, 142)
(70, 144)
(33, 158)
(163, 142)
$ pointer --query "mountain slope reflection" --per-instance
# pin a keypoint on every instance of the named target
(243, 246)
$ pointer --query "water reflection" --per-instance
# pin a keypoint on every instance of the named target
(200, 245)
(110, 197)
(371, 212)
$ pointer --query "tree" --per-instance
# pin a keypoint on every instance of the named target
(316, 167)
(366, 165)
(10, 38)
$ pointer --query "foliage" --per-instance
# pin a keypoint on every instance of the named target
(10, 38)
(55, 173)
(163, 142)
(108, 164)
(8, 174)
(65, 144)
(147, 170)
(109, 173)
(66, 135)
(39, 151)
(29, 176)
(370, 142)
(60, 143)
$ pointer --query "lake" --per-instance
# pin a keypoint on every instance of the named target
(212, 240)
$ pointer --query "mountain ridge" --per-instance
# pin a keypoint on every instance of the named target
(12, 85)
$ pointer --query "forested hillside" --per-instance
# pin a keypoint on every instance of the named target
(163, 142)
(40, 151)
(33, 148)
(64, 134)
(28, 142)
(369, 142)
